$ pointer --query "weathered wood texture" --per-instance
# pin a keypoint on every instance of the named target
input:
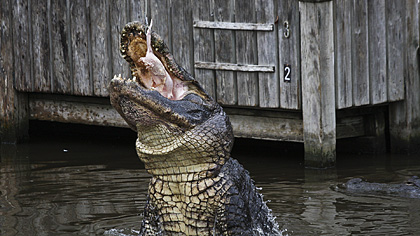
(343, 53)
(360, 53)
(250, 50)
(268, 83)
(22, 51)
(289, 53)
(238, 50)
(396, 38)
(318, 103)
(60, 34)
(70, 111)
(226, 86)
(204, 46)
(270, 125)
(69, 47)
(404, 117)
(370, 49)
(13, 106)
(377, 51)
(80, 59)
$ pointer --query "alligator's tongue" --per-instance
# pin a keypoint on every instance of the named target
(156, 77)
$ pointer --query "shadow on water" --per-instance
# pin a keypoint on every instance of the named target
(83, 180)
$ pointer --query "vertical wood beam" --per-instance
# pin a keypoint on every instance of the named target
(289, 49)
(404, 116)
(246, 53)
(224, 46)
(204, 45)
(81, 75)
(268, 83)
(377, 51)
(318, 89)
(360, 53)
(61, 50)
(343, 53)
(13, 105)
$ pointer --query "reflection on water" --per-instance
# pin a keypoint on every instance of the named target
(83, 187)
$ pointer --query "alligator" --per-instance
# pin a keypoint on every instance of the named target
(184, 140)
(408, 189)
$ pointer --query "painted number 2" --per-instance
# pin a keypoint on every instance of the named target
(287, 71)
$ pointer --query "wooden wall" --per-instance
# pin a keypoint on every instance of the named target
(69, 46)
(238, 50)
(370, 47)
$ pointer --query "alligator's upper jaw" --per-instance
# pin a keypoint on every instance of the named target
(142, 106)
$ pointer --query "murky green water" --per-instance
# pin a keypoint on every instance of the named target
(95, 185)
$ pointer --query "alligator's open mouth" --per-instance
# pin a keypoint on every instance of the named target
(159, 90)
(149, 62)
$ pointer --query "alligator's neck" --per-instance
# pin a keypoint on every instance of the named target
(178, 167)
(189, 207)
(187, 156)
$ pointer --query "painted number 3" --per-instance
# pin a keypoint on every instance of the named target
(287, 71)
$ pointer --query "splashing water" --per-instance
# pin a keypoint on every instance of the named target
(122, 232)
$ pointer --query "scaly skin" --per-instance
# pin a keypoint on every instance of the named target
(185, 144)
(409, 189)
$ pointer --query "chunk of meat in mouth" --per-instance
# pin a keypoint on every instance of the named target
(156, 77)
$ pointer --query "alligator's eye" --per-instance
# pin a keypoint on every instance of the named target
(194, 99)
(196, 114)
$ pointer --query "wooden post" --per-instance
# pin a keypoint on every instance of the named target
(318, 95)
(13, 105)
(404, 116)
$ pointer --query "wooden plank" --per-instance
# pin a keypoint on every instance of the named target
(41, 46)
(360, 56)
(13, 125)
(377, 51)
(118, 19)
(182, 35)
(268, 128)
(413, 66)
(234, 67)
(82, 81)
(396, 49)
(226, 86)
(101, 61)
(268, 83)
(246, 53)
(60, 35)
(21, 37)
(343, 53)
(75, 112)
(137, 10)
(289, 54)
(318, 97)
(404, 117)
(233, 25)
(348, 127)
(204, 46)
(160, 12)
